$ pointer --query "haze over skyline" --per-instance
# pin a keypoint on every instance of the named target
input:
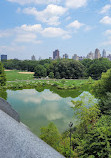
(39, 27)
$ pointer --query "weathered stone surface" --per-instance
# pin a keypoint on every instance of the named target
(6, 107)
(16, 141)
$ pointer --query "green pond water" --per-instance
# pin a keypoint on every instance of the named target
(38, 107)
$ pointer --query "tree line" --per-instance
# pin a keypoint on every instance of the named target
(62, 68)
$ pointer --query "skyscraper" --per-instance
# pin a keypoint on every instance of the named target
(75, 57)
(104, 53)
(109, 56)
(33, 58)
(56, 54)
(90, 56)
(3, 57)
(97, 54)
(65, 56)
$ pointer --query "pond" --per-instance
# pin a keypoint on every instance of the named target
(38, 107)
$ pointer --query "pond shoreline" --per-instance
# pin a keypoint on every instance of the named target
(59, 84)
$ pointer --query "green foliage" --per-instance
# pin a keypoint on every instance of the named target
(3, 94)
(90, 80)
(57, 75)
(51, 75)
(94, 68)
(102, 86)
(50, 135)
(105, 104)
(40, 71)
(68, 69)
(86, 111)
(2, 76)
(63, 81)
(98, 141)
(91, 138)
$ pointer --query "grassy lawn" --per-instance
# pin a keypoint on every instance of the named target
(19, 81)
(14, 75)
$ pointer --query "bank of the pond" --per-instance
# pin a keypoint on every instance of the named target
(59, 84)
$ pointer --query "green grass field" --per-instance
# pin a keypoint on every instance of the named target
(27, 81)
(14, 76)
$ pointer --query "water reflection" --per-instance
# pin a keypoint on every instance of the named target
(37, 109)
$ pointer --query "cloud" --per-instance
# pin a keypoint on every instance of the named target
(32, 100)
(32, 28)
(27, 37)
(23, 34)
(105, 9)
(23, 2)
(50, 96)
(75, 3)
(27, 33)
(5, 34)
(50, 15)
(108, 32)
(55, 32)
(106, 20)
(75, 24)
(31, 34)
(89, 28)
(68, 18)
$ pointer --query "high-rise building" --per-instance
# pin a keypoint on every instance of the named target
(97, 54)
(56, 54)
(3, 57)
(75, 57)
(33, 58)
(65, 56)
(104, 53)
(81, 58)
(109, 56)
(90, 56)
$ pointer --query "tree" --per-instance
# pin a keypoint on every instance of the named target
(40, 71)
(102, 86)
(87, 112)
(51, 75)
(57, 75)
(97, 143)
(2, 75)
(105, 104)
(97, 67)
(50, 135)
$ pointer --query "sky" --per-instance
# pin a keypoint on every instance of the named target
(38, 27)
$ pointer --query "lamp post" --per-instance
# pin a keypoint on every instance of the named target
(70, 125)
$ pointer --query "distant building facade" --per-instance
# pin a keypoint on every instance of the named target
(104, 53)
(65, 56)
(56, 54)
(3, 57)
(90, 56)
(81, 58)
(33, 58)
(109, 56)
(75, 57)
(97, 54)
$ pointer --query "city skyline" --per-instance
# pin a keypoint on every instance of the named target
(56, 54)
(39, 27)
